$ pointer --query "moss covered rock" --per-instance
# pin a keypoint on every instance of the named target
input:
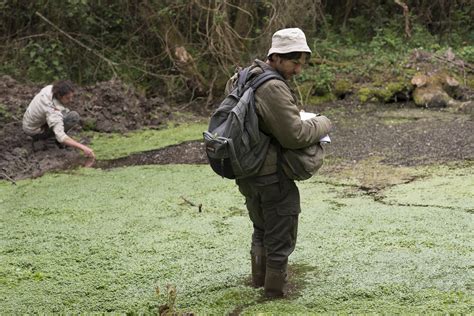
(434, 90)
(387, 93)
(342, 88)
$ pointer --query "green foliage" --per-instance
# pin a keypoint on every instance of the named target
(421, 38)
(467, 53)
(45, 60)
(139, 38)
(323, 79)
(370, 62)
(386, 39)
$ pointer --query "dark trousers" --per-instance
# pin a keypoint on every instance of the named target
(274, 206)
(70, 119)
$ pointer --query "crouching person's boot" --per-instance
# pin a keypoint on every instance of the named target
(259, 264)
(275, 282)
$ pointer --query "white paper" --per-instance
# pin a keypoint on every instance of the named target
(306, 116)
(325, 139)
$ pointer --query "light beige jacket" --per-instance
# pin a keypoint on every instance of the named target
(45, 111)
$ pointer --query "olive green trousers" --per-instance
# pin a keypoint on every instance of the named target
(273, 204)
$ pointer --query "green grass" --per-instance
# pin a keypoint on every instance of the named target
(102, 241)
(111, 146)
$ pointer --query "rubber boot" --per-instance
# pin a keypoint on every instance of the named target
(259, 264)
(275, 282)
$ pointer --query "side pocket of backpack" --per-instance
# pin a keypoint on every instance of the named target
(217, 151)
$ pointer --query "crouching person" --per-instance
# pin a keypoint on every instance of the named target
(47, 116)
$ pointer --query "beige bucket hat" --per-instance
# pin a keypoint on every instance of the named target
(288, 41)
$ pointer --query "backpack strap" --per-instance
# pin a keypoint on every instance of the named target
(254, 84)
(243, 77)
(244, 82)
(264, 77)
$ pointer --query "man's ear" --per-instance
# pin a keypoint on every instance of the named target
(276, 58)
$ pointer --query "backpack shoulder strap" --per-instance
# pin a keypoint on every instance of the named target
(244, 82)
(264, 77)
(243, 78)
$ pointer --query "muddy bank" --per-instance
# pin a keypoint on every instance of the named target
(397, 134)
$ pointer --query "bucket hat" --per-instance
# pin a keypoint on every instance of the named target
(288, 41)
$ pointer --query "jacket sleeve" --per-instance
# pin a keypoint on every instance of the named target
(54, 119)
(280, 114)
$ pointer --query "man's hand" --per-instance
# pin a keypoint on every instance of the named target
(88, 152)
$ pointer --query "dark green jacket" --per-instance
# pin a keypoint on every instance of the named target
(279, 116)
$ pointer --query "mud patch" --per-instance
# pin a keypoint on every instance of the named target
(434, 137)
(186, 153)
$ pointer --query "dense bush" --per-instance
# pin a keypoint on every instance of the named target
(185, 48)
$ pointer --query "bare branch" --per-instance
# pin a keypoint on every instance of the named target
(5, 176)
(192, 204)
(406, 14)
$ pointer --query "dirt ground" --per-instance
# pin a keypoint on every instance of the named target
(398, 133)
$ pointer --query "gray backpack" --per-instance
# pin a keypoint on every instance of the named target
(235, 146)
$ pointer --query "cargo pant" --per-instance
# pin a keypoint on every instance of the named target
(273, 205)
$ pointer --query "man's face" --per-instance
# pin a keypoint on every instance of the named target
(289, 68)
(66, 99)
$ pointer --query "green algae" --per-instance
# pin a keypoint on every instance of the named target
(114, 145)
(102, 241)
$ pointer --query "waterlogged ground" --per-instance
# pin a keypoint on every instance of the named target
(371, 238)
(386, 226)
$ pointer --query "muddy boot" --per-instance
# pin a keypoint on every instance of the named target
(259, 264)
(275, 282)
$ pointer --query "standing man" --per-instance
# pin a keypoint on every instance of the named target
(272, 199)
(47, 116)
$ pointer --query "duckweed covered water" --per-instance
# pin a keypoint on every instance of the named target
(102, 241)
(114, 145)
